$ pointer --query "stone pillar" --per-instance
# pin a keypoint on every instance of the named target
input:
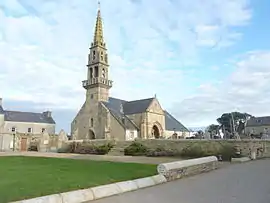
(62, 138)
(44, 142)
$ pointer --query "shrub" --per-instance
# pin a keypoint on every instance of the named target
(103, 149)
(33, 148)
(86, 148)
(160, 151)
(196, 151)
(136, 149)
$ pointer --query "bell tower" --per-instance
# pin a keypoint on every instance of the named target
(97, 84)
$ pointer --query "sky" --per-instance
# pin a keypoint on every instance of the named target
(201, 58)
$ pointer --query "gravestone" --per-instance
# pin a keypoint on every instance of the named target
(62, 138)
(44, 142)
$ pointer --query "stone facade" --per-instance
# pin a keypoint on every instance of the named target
(104, 117)
(258, 125)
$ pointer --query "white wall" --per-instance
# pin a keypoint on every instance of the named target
(22, 127)
(6, 142)
(2, 116)
(131, 134)
(169, 133)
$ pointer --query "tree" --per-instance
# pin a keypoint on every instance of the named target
(233, 122)
(212, 129)
(199, 134)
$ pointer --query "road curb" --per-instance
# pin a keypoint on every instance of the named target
(240, 160)
(94, 193)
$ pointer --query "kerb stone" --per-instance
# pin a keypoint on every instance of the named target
(105, 191)
(77, 196)
(144, 182)
(127, 186)
(158, 179)
(240, 160)
(44, 199)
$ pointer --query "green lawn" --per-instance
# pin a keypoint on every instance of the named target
(28, 177)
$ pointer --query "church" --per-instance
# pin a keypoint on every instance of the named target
(105, 117)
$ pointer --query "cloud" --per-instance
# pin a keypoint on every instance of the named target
(245, 90)
(153, 48)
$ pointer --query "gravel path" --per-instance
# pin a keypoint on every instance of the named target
(130, 159)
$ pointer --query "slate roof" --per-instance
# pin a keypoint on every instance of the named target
(120, 108)
(18, 116)
(173, 124)
(137, 106)
(115, 107)
(258, 121)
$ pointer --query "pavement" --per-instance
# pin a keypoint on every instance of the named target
(236, 183)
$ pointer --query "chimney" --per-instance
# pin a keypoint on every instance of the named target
(1, 101)
(48, 114)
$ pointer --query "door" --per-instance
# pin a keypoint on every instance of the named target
(23, 144)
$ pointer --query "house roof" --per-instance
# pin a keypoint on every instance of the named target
(18, 116)
(258, 121)
(173, 124)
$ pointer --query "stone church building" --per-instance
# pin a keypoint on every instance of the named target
(104, 117)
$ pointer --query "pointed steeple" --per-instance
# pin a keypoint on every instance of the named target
(98, 36)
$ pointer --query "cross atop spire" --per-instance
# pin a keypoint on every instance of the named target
(98, 36)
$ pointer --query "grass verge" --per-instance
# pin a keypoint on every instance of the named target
(29, 177)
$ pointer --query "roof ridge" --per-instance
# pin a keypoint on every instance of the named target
(23, 112)
(141, 99)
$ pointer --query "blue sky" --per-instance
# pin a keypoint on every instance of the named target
(201, 58)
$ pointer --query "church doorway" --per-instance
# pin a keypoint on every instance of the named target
(155, 132)
(91, 135)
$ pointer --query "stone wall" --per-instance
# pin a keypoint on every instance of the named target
(179, 145)
(43, 142)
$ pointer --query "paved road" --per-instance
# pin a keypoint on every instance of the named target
(239, 183)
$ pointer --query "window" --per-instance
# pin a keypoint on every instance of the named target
(43, 130)
(96, 71)
(92, 96)
(13, 129)
(101, 58)
(103, 73)
(91, 72)
(92, 122)
(94, 52)
(29, 130)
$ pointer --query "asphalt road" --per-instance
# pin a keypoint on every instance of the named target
(239, 183)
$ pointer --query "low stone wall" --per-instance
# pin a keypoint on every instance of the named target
(261, 146)
(180, 169)
(211, 147)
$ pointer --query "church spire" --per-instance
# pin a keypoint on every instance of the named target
(98, 36)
